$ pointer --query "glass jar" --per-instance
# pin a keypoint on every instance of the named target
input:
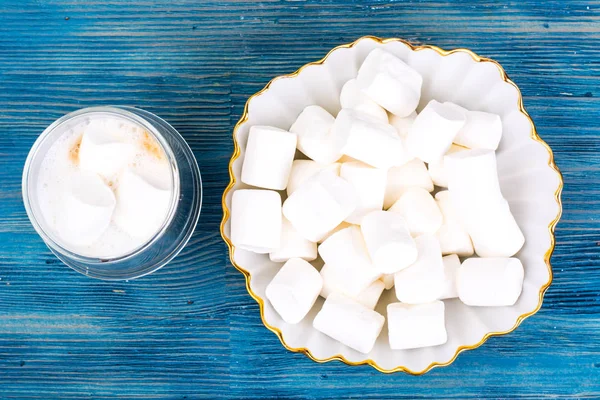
(184, 208)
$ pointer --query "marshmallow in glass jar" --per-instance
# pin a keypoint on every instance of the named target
(103, 185)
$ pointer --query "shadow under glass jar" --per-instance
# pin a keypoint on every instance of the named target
(184, 207)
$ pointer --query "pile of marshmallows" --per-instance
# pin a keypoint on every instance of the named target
(364, 204)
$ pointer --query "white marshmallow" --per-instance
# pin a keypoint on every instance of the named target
(413, 173)
(475, 193)
(482, 130)
(457, 108)
(102, 152)
(490, 281)
(367, 139)
(369, 184)
(142, 203)
(451, 266)
(433, 131)
(352, 97)
(294, 289)
(304, 169)
(368, 297)
(423, 281)
(319, 205)
(415, 326)
(473, 173)
(492, 228)
(405, 157)
(349, 322)
(388, 281)
(403, 124)
(349, 268)
(390, 82)
(87, 209)
(269, 156)
(313, 127)
(437, 169)
(452, 235)
(388, 240)
(338, 228)
(256, 220)
(419, 210)
(332, 281)
(293, 245)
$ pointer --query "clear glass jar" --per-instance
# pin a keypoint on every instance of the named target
(181, 219)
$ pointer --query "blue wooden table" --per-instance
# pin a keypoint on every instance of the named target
(191, 330)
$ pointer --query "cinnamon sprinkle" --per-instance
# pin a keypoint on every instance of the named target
(74, 150)
(151, 146)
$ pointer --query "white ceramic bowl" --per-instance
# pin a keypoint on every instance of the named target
(529, 178)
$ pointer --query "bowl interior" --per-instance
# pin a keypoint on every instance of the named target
(529, 181)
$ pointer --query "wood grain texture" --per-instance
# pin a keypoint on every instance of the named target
(190, 330)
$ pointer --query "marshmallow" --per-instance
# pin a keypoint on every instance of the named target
(437, 169)
(405, 157)
(490, 281)
(415, 326)
(256, 220)
(457, 108)
(433, 131)
(331, 281)
(368, 297)
(420, 211)
(349, 322)
(349, 268)
(452, 235)
(269, 156)
(475, 193)
(87, 210)
(390, 82)
(338, 228)
(142, 203)
(492, 228)
(304, 169)
(101, 151)
(424, 280)
(313, 127)
(388, 281)
(352, 97)
(413, 173)
(403, 124)
(389, 242)
(367, 139)
(293, 245)
(482, 130)
(319, 205)
(473, 173)
(369, 184)
(451, 266)
(294, 289)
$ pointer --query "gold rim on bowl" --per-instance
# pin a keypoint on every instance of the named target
(460, 349)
